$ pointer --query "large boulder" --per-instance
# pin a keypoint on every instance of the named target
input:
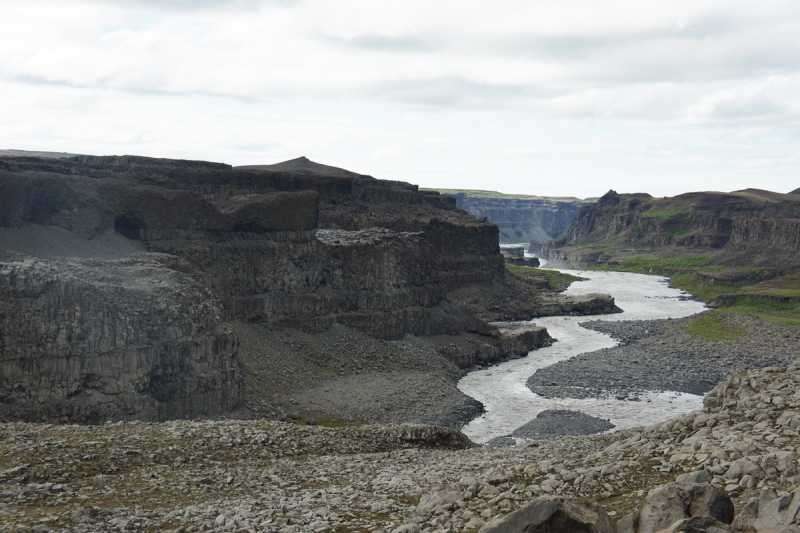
(668, 504)
(778, 512)
(554, 514)
(698, 524)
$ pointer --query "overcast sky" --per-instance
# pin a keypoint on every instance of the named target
(562, 97)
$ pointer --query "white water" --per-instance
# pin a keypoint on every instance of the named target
(510, 404)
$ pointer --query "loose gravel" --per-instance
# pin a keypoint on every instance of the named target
(659, 355)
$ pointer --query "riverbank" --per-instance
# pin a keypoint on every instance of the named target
(662, 355)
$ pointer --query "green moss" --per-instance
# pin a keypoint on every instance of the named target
(621, 215)
(658, 265)
(636, 228)
(675, 233)
(666, 214)
(709, 326)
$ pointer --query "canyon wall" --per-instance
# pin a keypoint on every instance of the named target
(749, 226)
(522, 219)
(120, 306)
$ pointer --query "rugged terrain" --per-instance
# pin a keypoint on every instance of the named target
(140, 288)
(272, 476)
(534, 219)
(739, 251)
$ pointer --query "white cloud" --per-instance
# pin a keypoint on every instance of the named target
(366, 83)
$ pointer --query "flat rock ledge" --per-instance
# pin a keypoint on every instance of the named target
(268, 476)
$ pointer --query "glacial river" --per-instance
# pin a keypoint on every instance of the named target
(510, 404)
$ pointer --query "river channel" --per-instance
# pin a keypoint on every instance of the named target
(510, 404)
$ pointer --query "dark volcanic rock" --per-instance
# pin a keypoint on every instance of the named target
(556, 422)
(122, 276)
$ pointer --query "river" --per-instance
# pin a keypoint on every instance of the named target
(510, 404)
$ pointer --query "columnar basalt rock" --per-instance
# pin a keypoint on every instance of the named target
(123, 308)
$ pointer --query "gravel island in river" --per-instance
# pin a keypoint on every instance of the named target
(509, 403)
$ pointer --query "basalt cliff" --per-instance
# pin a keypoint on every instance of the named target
(140, 288)
(522, 218)
(748, 227)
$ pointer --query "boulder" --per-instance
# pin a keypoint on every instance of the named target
(780, 511)
(439, 498)
(748, 515)
(701, 476)
(551, 514)
(666, 505)
(698, 524)
(744, 467)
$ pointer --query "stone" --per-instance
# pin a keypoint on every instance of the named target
(438, 498)
(774, 513)
(670, 503)
(700, 476)
(742, 467)
(697, 524)
(550, 514)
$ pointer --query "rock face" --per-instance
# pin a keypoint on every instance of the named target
(121, 305)
(548, 514)
(668, 504)
(753, 223)
(523, 219)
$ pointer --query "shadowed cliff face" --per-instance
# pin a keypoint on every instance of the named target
(119, 276)
(535, 220)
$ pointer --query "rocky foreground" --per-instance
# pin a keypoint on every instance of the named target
(272, 476)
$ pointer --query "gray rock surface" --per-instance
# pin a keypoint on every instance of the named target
(557, 422)
(295, 478)
(547, 514)
(662, 356)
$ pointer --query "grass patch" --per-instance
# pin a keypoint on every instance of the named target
(709, 326)
(636, 228)
(658, 265)
(767, 316)
(666, 214)
(675, 233)
(705, 292)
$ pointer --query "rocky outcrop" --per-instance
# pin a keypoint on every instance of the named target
(92, 340)
(668, 504)
(543, 515)
(749, 226)
(124, 275)
(522, 219)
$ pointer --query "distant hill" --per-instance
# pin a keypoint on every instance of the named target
(27, 153)
(796, 191)
(303, 165)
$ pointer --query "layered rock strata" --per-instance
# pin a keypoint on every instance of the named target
(747, 227)
(522, 219)
(122, 278)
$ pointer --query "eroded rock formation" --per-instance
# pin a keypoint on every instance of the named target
(121, 277)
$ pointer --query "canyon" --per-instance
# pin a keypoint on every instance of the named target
(520, 218)
(153, 289)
